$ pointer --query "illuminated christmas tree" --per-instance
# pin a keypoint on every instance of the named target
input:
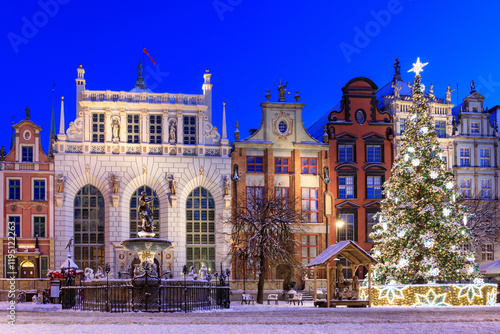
(421, 234)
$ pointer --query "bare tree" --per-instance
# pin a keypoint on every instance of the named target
(482, 220)
(264, 228)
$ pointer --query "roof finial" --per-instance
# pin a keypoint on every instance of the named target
(27, 113)
(397, 70)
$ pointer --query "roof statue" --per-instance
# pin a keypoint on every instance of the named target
(282, 90)
(472, 87)
(431, 92)
(27, 113)
(397, 70)
(139, 69)
(448, 94)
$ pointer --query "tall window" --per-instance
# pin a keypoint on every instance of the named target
(346, 153)
(310, 208)
(345, 231)
(283, 194)
(309, 165)
(98, 127)
(309, 252)
(487, 252)
(465, 188)
(373, 153)
(485, 188)
(255, 164)
(89, 228)
(373, 187)
(474, 128)
(464, 157)
(346, 187)
(441, 129)
(402, 125)
(254, 194)
(281, 165)
(484, 156)
(16, 221)
(27, 154)
(155, 129)
(189, 130)
(154, 207)
(370, 222)
(39, 190)
(14, 189)
(44, 265)
(39, 227)
(133, 129)
(200, 229)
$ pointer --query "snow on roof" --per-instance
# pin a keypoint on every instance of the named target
(348, 249)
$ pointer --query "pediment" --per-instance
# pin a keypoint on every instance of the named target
(375, 167)
(346, 135)
(347, 204)
(346, 167)
(474, 96)
(372, 205)
(374, 136)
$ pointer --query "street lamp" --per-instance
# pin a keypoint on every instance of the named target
(339, 224)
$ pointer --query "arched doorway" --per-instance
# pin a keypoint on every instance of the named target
(154, 206)
(89, 228)
(27, 269)
(200, 230)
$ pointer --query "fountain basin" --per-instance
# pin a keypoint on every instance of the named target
(153, 245)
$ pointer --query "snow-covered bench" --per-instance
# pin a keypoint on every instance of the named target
(272, 297)
(247, 298)
(296, 298)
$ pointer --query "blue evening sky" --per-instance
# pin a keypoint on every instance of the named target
(317, 46)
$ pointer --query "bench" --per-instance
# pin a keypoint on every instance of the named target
(247, 298)
(272, 297)
(296, 298)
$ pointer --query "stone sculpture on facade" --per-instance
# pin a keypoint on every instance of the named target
(115, 127)
(227, 186)
(173, 139)
(396, 87)
(173, 185)
(115, 184)
(60, 184)
(145, 213)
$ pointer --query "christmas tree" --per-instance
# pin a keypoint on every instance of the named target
(421, 234)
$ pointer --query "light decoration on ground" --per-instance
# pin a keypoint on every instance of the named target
(432, 295)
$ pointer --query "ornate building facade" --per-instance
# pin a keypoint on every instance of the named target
(27, 197)
(281, 158)
(123, 143)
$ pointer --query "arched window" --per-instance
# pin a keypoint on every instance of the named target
(89, 228)
(200, 229)
(154, 206)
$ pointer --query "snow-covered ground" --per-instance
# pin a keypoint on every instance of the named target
(258, 319)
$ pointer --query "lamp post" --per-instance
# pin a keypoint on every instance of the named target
(326, 180)
(339, 224)
(185, 271)
(107, 269)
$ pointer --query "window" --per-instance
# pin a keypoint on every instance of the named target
(474, 127)
(255, 164)
(402, 125)
(27, 154)
(346, 186)
(16, 221)
(370, 222)
(281, 165)
(373, 153)
(44, 265)
(309, 252)
(39, 190)
(282, 127)
(133, 129)
(360, 116)
(345, 231)
(39, 227)
(14, 189)
(309, 165)
(487, 252)
(154, 207)
(465, 188)
(464, 157)
(373, 187)
(200, 230)
(89, 228)
(282, 193)
(98, 127)
(189, 130)
(254, 194)
(484, 156)
(485, 188)
(346, 153)
(440, 129)
(155, 129)
(310, 205)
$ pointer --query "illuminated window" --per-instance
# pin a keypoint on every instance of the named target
(98, 127)
(155, 129)
(485, 188)
(346, 187)
(474, 127)
(484, 156)
(346, 153)
(373, 153)
(464, 157)
(487, 252)
(200, 230)
(310, 208)
(309, 165)
(89, 228)
(465, 188)
(309, 252)
(373, 187)
(189, 130)
(254, 195)
(345, 231)
(133, 129)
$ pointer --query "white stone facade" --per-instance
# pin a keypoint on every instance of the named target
(93, 150)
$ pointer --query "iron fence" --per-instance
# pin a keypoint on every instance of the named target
(150, 297)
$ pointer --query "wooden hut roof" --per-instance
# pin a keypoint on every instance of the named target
(348, 249)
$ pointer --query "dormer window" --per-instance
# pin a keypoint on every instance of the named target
(474, 127)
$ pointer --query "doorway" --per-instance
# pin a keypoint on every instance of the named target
(27, 269)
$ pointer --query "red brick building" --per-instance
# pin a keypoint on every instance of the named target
(27, 198)
(361, 156)
(282, 158)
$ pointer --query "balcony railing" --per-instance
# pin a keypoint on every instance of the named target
(133, 97)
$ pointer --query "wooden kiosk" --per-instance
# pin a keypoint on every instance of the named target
(341, 291)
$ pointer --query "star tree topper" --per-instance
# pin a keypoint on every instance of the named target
(418, 67)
